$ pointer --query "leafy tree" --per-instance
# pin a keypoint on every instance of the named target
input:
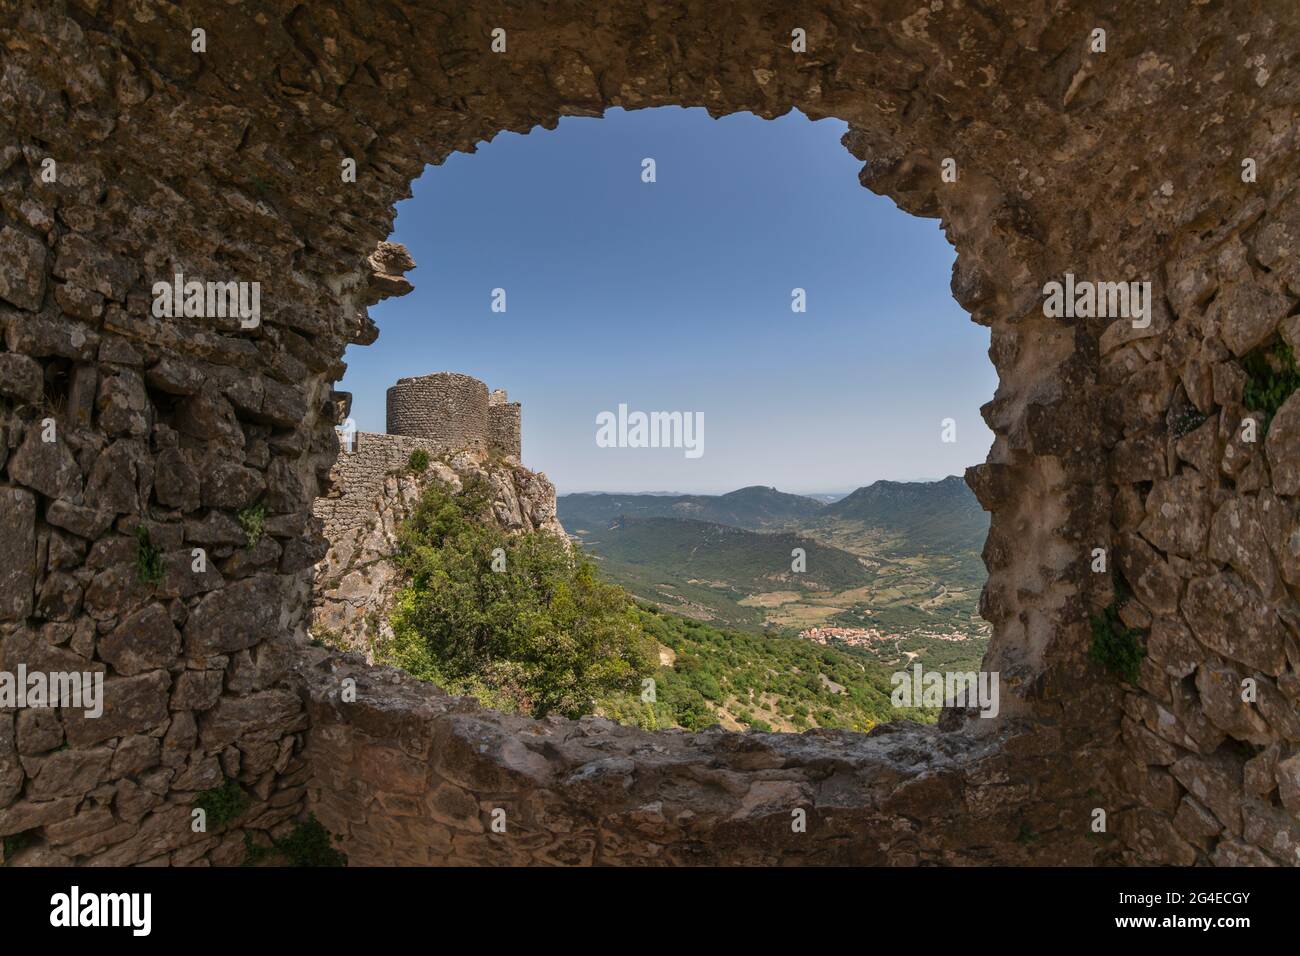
(539, 632)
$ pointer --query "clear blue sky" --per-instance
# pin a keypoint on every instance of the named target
(675, 296)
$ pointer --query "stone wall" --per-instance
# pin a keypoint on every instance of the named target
(504, 430)
(404, 774)
(357, 478)
(446, 408)
(126, 156)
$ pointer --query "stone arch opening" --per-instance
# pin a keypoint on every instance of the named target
(1167, 156)
(583, 166)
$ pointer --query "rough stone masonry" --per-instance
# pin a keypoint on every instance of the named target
(142, 140)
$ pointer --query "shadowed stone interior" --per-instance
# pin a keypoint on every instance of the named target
(226, 165)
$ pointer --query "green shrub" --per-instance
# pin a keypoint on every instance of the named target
(15, 842)
(307, 845)
(545, 635)
(222, 804)
(1115, 646)
(148, 559)
(1272, 378)
(419, 461)
(253, 520)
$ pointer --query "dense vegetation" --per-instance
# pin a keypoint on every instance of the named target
(522, 622)
(758, 682)
(715, 565)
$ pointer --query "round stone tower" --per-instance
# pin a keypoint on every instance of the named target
(446, 407)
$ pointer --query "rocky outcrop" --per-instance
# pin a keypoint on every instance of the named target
(356, 580)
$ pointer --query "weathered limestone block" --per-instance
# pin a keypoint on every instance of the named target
(1170, 644)
(1154, 582)
(86, 263)
(121, 478)
(1288, 782)
(69, 773)
(1280, 519)
(1283, 447)
(237, 616)
(226, 484)
(122, 406)
(145, 640)
(1246, 313)
(46, 466)
(1229, 617)
(18, 556)
(265, 713)
(21, 378)
(22, 272)
(134, 754)
(1237, 538)
(28, 814)
(38, 731)
(1273, 830)
(1220, 687)
(1279, 710)
(1154, 837)
(131, 705)
(1236, 853)
(1196, 824)
(44, 335)
(1216, 783)
(1178, 515)
(84, 522)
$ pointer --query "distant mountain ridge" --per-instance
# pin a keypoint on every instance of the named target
(755, 508)
(919, 516)
(935, 514)
(899, 556)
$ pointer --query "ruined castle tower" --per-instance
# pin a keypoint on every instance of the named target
(503, 424)
(454, 412)
(446, 408)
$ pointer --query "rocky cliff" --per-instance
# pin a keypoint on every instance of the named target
(356, 580)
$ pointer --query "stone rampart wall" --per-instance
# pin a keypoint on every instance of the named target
(504, 432)
(357, 478)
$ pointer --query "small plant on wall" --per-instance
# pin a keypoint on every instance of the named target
(222, 804)
(253, 520)
(419, 461)
(1272, 377)
(148, 559)
(1116, 646)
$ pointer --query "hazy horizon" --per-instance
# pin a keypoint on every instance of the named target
(816, 492)
(676, 296)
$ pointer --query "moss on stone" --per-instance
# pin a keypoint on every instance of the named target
(1272, 377)
(222, 804)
